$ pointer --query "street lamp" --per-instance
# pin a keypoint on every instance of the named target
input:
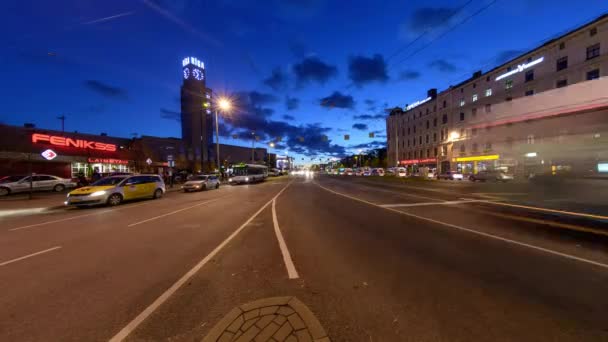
(271, 144)
(224, 105)
(454, 136)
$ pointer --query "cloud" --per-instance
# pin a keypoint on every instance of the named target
(407, 75)
(443, 65)
(338, 100)
(362, 70)
(106, 90)
(277, 80)
(360, 126)
(427, 18)
(170, 115)
(258, 98)
(288, 117)
(369, 116)
(370, 145)
(312, 69)
(506, 55)
(292, 103)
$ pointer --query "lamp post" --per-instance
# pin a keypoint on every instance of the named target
(225, 106)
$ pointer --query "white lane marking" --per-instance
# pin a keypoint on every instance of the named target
(549, 251)
(131, 326)
(77, 216)
(173, 212)
(291, 268)
(398, 205)
(399, 193)
(29, 256)
(571, 213)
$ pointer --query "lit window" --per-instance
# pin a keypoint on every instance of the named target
(489, 92)
(474, 97)
(530, 139)
(462, 102)
(508, 84)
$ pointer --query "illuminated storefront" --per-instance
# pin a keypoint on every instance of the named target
(474, 164)
(413, 165)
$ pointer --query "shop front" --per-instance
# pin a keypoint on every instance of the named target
(416, 166)
(474, 164)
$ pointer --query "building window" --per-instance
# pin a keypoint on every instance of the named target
(474, 112)
(529, 92)
(428, 124)
(461, 90)
(435, 122)
(435, 107)
(474, 85)
(510, 142)
(562, 45)
(435, 152)
(408, 131)
(487, 78)
(420, 139)
(442, 137)
(593, 32)
(529, 75)
(444, 104)
(463, 149)
(427, 138)
(414, 141)
(461, 116)
(593, 51)
(474, 132)
(508, 84)
(414, 128)
(530, 139)
(488, 92)
(462, 102)
(435, 137)
(561, 83)
(488, 108)
(444, 119)
(428, 153)
(488, 146)
(474, 97)
(562, 63)
(474, 148)
(427, 110)
(593, 74)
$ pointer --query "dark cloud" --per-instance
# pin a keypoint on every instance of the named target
(360, 126)
(277, 80)
(312, 69)
(106, 90)
(362, 70)
(427, 18)
(288, 117)
(370, 145)
(506, 55)
(170, 115)
(370, 116)
(292, 103)
(443, 65)
(338, 100)
(407, 75)
(258, 98)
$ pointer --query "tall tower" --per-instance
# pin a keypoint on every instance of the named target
(196, 112)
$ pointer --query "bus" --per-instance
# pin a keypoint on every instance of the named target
(248, 173)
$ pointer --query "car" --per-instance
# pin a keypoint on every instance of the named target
(201, 182)
(390, 171)
(450, 175)
(348, 172)
(21, 183)
(491, 175)
(401, 172)
(378, 172)
(114, 190)
(358, 172)
(367, 172)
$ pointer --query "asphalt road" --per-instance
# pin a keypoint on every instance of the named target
(375, 261)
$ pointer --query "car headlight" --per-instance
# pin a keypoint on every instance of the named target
(98, 193)
(230, 179)
(197, 186)
(246, 179)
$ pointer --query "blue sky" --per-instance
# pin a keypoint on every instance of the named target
(300, 69)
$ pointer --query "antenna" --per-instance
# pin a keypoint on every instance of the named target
(62, 118)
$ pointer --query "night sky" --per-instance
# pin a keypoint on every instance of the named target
(308, 71)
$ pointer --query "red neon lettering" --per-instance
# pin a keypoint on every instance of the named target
(69, 142)
(59, 141)
(40, 137)
(88, 144)
(72, 142)
(110, 147)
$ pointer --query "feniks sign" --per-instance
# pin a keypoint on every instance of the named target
(69, 142)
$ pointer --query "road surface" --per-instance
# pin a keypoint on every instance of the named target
(374, 261)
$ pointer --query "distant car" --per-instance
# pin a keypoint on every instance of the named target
(21, 183)
(367, 172)
(116, 189)
(380, 171)
(348, 172)
(498, 176)
(450, 175)
(358, 172)
(401, 172)
(390, 171)
(201, 182)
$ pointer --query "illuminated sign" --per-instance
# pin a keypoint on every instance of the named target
(418, 103)
(520, 68)
(108, 161)
(602, 167)
(477, 158)
(49, 154)
(193, 61)
(69, 142)
(531, 154)
(418, 161)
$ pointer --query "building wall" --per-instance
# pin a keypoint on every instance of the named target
(456, 109)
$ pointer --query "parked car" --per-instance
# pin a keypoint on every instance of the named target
(491, 175)
(391, 171)
(378, 172)
(348, 172)
(367, 172)
(450, 175)
(401, 172)
(201, 182)
(358, 172)
(116, 189)
(21, 183)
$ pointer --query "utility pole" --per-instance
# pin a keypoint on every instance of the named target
(217, 143)
(252, 145)
(62, 118)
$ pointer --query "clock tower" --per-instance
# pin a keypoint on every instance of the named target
(197, 130)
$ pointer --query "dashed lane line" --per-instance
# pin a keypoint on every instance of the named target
(29, 256)
(174, 212)
(291, 268)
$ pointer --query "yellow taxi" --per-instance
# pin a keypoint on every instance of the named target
(116, 189)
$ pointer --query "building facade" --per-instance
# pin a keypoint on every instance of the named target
(517, 116)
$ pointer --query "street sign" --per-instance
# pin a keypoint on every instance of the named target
(169, 157)
(49, 154)
(171, 163)
(149, 161)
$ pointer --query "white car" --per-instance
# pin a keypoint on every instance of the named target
(401, 172)
(201, 182)
(15, 184)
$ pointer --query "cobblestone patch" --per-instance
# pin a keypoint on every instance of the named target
(277, 319)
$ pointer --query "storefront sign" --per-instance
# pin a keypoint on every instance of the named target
(521, 68)
(477, 158)
(108, 161)
(69, 142)
(49, 154)
(418, 161)
(418, 103)
(602, 167)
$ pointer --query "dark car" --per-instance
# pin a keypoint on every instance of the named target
(498, 176)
